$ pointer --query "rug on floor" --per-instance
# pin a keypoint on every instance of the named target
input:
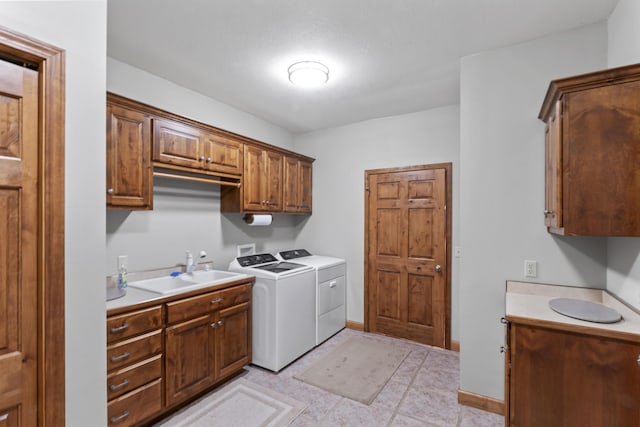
(240, 403)
(357, 369)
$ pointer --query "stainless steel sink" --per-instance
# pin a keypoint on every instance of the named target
(167, 285)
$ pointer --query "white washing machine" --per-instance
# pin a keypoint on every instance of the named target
(283, 309)
(331, 311)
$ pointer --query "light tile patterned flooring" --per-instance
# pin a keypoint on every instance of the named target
(422, 392)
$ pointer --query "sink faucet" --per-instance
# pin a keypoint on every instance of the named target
(190, 264)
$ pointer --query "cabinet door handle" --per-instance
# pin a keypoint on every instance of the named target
(209, 159)
(213, 325)
(114, 387)
(119, 328)
(201, 158)
(3, 417)
(219, 322)
(114, 420)
(121, 357)
(110, 191)
(638, 360)
(216, 301)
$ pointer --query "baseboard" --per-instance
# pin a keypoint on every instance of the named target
(481, 402)
(358, 326)
(455, 346)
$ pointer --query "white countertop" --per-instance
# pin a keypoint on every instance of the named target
(132, 297)
(531, 301)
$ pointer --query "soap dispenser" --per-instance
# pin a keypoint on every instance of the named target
(122, 272)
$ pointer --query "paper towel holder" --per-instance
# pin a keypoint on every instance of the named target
(249, 218)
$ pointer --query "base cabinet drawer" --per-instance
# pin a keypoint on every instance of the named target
(133, 350)
(136, 406)
(126, 379)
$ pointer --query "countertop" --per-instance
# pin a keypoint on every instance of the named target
(139, 298)
(529, 303)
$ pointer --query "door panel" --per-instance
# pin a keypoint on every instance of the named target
(406, 240)
(18, 241)
(177, 144)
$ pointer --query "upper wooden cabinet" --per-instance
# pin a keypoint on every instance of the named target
(592, 150)
(178, 144)
(297, 185)
(141, 138)
(262, 180)
(129, 173)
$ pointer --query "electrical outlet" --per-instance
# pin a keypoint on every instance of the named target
(457, 251)
(530, 268)
(122, 262)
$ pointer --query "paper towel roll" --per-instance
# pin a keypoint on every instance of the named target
(254, 220)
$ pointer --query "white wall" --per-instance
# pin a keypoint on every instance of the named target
(623, 254)
(342, 155)
(186, 216)
(502, 191)
(80, 29)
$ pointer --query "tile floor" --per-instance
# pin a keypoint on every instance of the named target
(422, 392)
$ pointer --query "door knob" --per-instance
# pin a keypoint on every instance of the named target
(438, 268)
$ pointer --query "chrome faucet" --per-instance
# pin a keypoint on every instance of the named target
(190, 265)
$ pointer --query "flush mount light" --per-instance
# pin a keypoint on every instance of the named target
(308, 74)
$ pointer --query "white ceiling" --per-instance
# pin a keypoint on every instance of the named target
(386, 57)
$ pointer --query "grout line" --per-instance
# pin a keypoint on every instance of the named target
(406, 391)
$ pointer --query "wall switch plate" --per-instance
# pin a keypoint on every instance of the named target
(530, 268)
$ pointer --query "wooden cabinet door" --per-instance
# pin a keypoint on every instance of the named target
(129, 173)
(253, 180)
(19, 242)
(189, 358)
(273, 182)
(553, 170)
(296, 185)
(233, 339)
(560, 378)
(290, 185)
(223, 154)
(177, 144)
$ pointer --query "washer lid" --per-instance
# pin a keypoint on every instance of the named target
(585, 310)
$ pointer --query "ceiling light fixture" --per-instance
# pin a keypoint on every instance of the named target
(308, 74)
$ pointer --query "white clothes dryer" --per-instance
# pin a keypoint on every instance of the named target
(330, 272)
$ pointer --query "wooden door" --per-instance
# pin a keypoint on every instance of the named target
(553, 170)
(407, 262)
(223, 154)
(190, 360)
(129, 174)
(177, 144)
(254, 175)
(233, 339)
(273, 181)
(18, 245)
(560, 378)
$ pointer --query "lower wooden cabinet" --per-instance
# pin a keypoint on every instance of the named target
(565, 378)
(161, 356)
(203, 350)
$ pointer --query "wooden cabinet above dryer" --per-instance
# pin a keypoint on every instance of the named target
(592, 151)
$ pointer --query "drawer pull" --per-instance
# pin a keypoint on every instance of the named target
(638, 359)
(4, 417)
(121, 357)
(119, 328)
(332, 284)
(117, 419)
(114, 387)
(216, 301)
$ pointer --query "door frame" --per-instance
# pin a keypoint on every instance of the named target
(50, 62)
(448, 167)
